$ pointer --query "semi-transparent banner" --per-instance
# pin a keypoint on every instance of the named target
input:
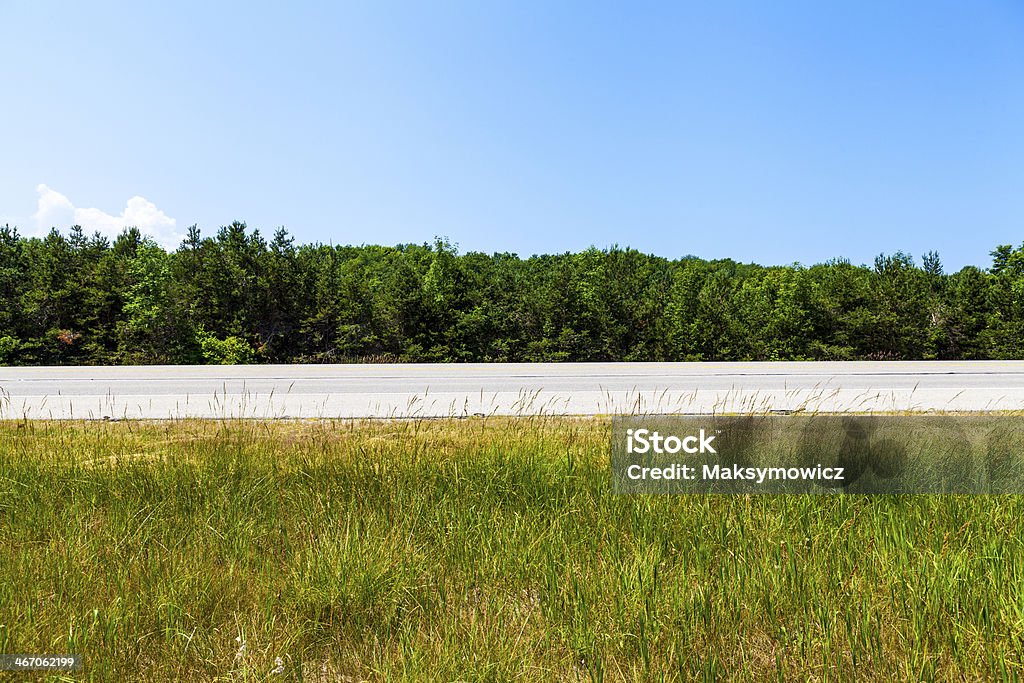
(818, 454)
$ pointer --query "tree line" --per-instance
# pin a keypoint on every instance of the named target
(235, 297)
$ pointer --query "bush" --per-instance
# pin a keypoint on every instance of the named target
(229, 351)
(9, 347)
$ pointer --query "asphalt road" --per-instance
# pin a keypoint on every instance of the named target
(309, 391)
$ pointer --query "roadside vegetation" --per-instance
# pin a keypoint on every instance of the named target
(475, 550)
(236, 297)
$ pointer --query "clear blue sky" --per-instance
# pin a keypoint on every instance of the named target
(762, 131)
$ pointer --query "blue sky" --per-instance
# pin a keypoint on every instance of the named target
(762, 131)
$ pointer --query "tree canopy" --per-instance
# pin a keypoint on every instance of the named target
(235, 297)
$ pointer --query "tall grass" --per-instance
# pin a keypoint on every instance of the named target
(475, 550)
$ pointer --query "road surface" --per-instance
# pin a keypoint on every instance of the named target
(311, 391)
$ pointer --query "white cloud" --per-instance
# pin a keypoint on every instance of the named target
(56, 210)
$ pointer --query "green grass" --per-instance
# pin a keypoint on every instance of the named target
(475, 550)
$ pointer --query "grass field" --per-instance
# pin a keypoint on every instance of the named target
(475, 550)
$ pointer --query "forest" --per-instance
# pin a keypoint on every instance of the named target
(239, 297)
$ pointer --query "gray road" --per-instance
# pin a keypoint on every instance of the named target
(563, 388)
